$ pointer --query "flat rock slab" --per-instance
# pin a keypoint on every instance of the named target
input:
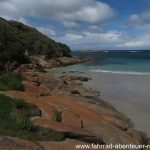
(72, 119)
(9, 143)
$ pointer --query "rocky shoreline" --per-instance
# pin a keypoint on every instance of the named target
(83, 115)
(39, 63)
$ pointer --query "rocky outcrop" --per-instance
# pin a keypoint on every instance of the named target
(70, 118)
(9, 143)
(85, 118)
(69, 82)
(76, 78)
(57, 62)
(40, 64)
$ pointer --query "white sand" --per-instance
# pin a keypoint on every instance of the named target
(130, 94)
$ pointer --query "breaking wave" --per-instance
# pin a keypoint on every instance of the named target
(121, 72)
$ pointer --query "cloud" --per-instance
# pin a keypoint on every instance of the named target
(87, 40)
(73, 37)
(69, 12)
(140, 19)
(70, 24)
(94, 28)
(47, 31)
(138, 43)
(95, 13)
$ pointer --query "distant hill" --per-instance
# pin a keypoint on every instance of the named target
(17, 39)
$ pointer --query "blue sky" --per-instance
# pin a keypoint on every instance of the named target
(86, 24)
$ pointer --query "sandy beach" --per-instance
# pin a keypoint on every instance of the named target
(129, 94)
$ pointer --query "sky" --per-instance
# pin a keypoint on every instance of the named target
(86, 24)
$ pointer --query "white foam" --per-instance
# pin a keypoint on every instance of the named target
(137, 51)
(121, 72)
(106, 51)
(132, 51)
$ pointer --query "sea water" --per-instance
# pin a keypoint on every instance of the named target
(123, 62)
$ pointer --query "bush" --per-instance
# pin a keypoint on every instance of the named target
(10, 82)
(58, 115)
(20, 103)
(24, 123)
(13, 53)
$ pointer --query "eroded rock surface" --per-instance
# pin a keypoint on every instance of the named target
(85, 117)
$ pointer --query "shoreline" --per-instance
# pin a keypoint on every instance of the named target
(78, 73)
(121, 72)
(127, 92)
(86, 117)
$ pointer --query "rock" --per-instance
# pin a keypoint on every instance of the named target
(30, 78)
(87, 92)
(112, 135)
(33, 89)
(87, 118)
(86, 138)
(10, 66)
(71, 119)
(59, 62)
(100, 102)
(21, 69)
(75, 92)
(144, 138)
(45, 94)
(34, 112)
(36, 83)
(10, 143)
(84, 79)
(65, 82)
(72, 78)
(74, 71)
(50, 84)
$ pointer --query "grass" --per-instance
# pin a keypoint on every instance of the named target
(10, 82)
(19, 125)
(58, 116)
(20, 103)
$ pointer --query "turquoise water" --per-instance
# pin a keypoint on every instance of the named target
(125, 62)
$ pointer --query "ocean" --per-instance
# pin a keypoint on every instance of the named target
(123, 62)
(122, 77)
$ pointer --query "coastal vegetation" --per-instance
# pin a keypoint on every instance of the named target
(15, 121)
(58, 115)
(18, 42)
(11, 82)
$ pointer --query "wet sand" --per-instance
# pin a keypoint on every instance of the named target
(130, 94)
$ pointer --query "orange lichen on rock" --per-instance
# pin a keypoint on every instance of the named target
(78, 116)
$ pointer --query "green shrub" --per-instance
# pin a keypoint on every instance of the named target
(58, 115)
(10, 82)
(20, 103)
(6, 105)
(24, 123)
